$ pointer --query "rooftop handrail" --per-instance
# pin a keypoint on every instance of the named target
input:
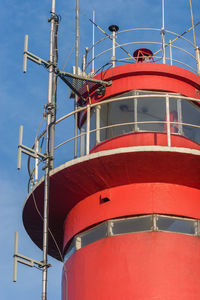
(137, 29)
(163, 46)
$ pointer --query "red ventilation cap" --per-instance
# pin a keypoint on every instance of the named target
(143, 55)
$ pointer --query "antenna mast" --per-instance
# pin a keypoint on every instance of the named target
(163, 30)
(194, 37)
(76, 97)
(50, 114)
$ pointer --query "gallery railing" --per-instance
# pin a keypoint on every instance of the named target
(167, 47)
(90, 134)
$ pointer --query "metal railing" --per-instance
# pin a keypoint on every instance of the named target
(184, 49)
(95, 132)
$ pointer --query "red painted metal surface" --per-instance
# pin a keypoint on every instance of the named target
(72, 183)
(151, 76)
(153, 266)
(144, 139)
(133, 199)
(147, 76)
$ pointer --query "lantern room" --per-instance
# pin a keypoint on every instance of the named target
(144, 98)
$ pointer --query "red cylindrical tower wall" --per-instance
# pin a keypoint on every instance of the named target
(128, 176)
(133, 199)
(152, 265)
(144, 265)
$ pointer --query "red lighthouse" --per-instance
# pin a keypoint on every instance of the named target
(125, 214)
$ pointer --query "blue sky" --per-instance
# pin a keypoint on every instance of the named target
(23, 97)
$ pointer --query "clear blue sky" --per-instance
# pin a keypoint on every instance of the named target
(22, 99)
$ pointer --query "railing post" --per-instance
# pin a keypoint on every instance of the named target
(82, 142)
(88, 131)
(197, 60)
(98, 108)
(170, 51)
(168, 121)
(113, 49)
(84, 64)
(113, 29)
(163, 30)
(163, 44)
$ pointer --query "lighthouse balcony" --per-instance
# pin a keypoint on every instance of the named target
(137, 141)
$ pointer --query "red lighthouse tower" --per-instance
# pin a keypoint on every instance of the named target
(125, 214)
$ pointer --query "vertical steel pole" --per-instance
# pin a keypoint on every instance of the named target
(163, 14)
(76, 97)
(170, 51)
(195, 43)
(46, 218)
(88, 131)
(93, 32)
(48, 153)
(54, 85)
(163, 30)
(113, 48)
(163, 44)
(77, 35)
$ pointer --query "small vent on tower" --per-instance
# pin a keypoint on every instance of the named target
(104, 199)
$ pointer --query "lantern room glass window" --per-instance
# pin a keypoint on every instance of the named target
(175, 225)
(146, 112)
